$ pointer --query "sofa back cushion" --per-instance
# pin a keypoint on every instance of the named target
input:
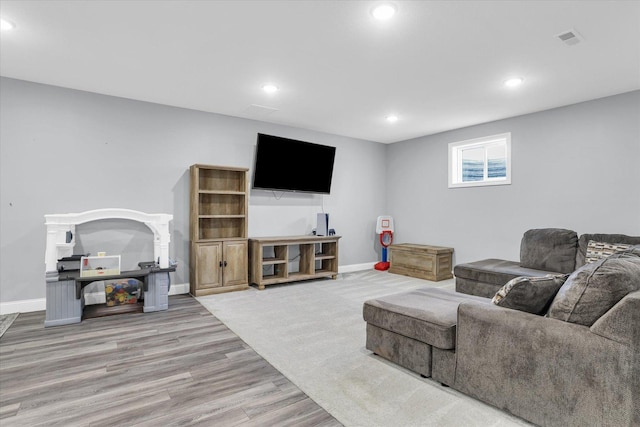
(549, 249)
(594, 288)
(599, 250)
(613, 239)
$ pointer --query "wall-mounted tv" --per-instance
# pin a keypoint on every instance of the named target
(290, 165)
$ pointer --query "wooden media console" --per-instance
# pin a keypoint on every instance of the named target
(276, 260)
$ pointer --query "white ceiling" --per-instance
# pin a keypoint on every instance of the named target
(438, 65)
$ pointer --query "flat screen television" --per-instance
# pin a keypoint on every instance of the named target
(290, 165)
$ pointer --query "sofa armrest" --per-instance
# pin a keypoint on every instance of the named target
(545, 370)
(622, 322)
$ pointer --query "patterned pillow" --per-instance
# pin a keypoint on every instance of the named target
(599, 250)
(530, 294)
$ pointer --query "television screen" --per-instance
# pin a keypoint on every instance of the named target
(291, 165)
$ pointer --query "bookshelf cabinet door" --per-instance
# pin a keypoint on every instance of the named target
(236, 263)
(208, 269)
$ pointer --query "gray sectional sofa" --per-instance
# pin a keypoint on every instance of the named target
(556, 346)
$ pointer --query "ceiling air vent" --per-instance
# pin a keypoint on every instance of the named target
(570, 37)
(259, 110)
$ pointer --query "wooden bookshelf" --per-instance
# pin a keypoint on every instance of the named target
(218, 229)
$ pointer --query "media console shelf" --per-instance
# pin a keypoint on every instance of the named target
(276, 260)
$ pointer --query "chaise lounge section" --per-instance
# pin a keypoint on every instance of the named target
(554, 349)
(404, 328)
(542, 252)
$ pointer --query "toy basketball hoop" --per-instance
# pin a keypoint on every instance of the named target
(384, 227)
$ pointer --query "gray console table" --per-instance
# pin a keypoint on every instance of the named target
(65, 293)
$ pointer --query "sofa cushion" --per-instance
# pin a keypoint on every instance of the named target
(594, 288)
(428, 314)
(550, 249)
(583, 242)
(530, 294)
(471, 287)
(633, 250)
(496, 271)
(599, 250)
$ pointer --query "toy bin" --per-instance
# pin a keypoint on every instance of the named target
(122, 291)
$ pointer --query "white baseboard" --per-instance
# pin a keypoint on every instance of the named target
(38, 304)
(23, 306)
(356, 267)
(179, 289)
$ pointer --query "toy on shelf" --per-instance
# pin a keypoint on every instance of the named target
(384, 227)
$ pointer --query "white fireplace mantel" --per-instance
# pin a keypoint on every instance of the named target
(61, 231)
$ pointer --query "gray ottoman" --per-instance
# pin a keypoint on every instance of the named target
(416, 329)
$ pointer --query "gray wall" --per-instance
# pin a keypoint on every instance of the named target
(575, 167)
(67, 151)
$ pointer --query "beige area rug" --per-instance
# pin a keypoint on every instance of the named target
(313, 332)
(5, 321)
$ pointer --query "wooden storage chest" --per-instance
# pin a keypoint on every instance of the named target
(421, 261)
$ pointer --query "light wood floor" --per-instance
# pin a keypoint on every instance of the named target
(177, 367)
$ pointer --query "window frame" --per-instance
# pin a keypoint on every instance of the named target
(455, 161)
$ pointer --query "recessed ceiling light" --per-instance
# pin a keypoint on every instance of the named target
(6, 25)
(516, 81)
(383, 11)
(270, 88)
(392, 118)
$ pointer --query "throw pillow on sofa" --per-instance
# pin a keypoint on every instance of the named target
(594, 288)
(599, 250)
(530, 294)
(583, 241)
